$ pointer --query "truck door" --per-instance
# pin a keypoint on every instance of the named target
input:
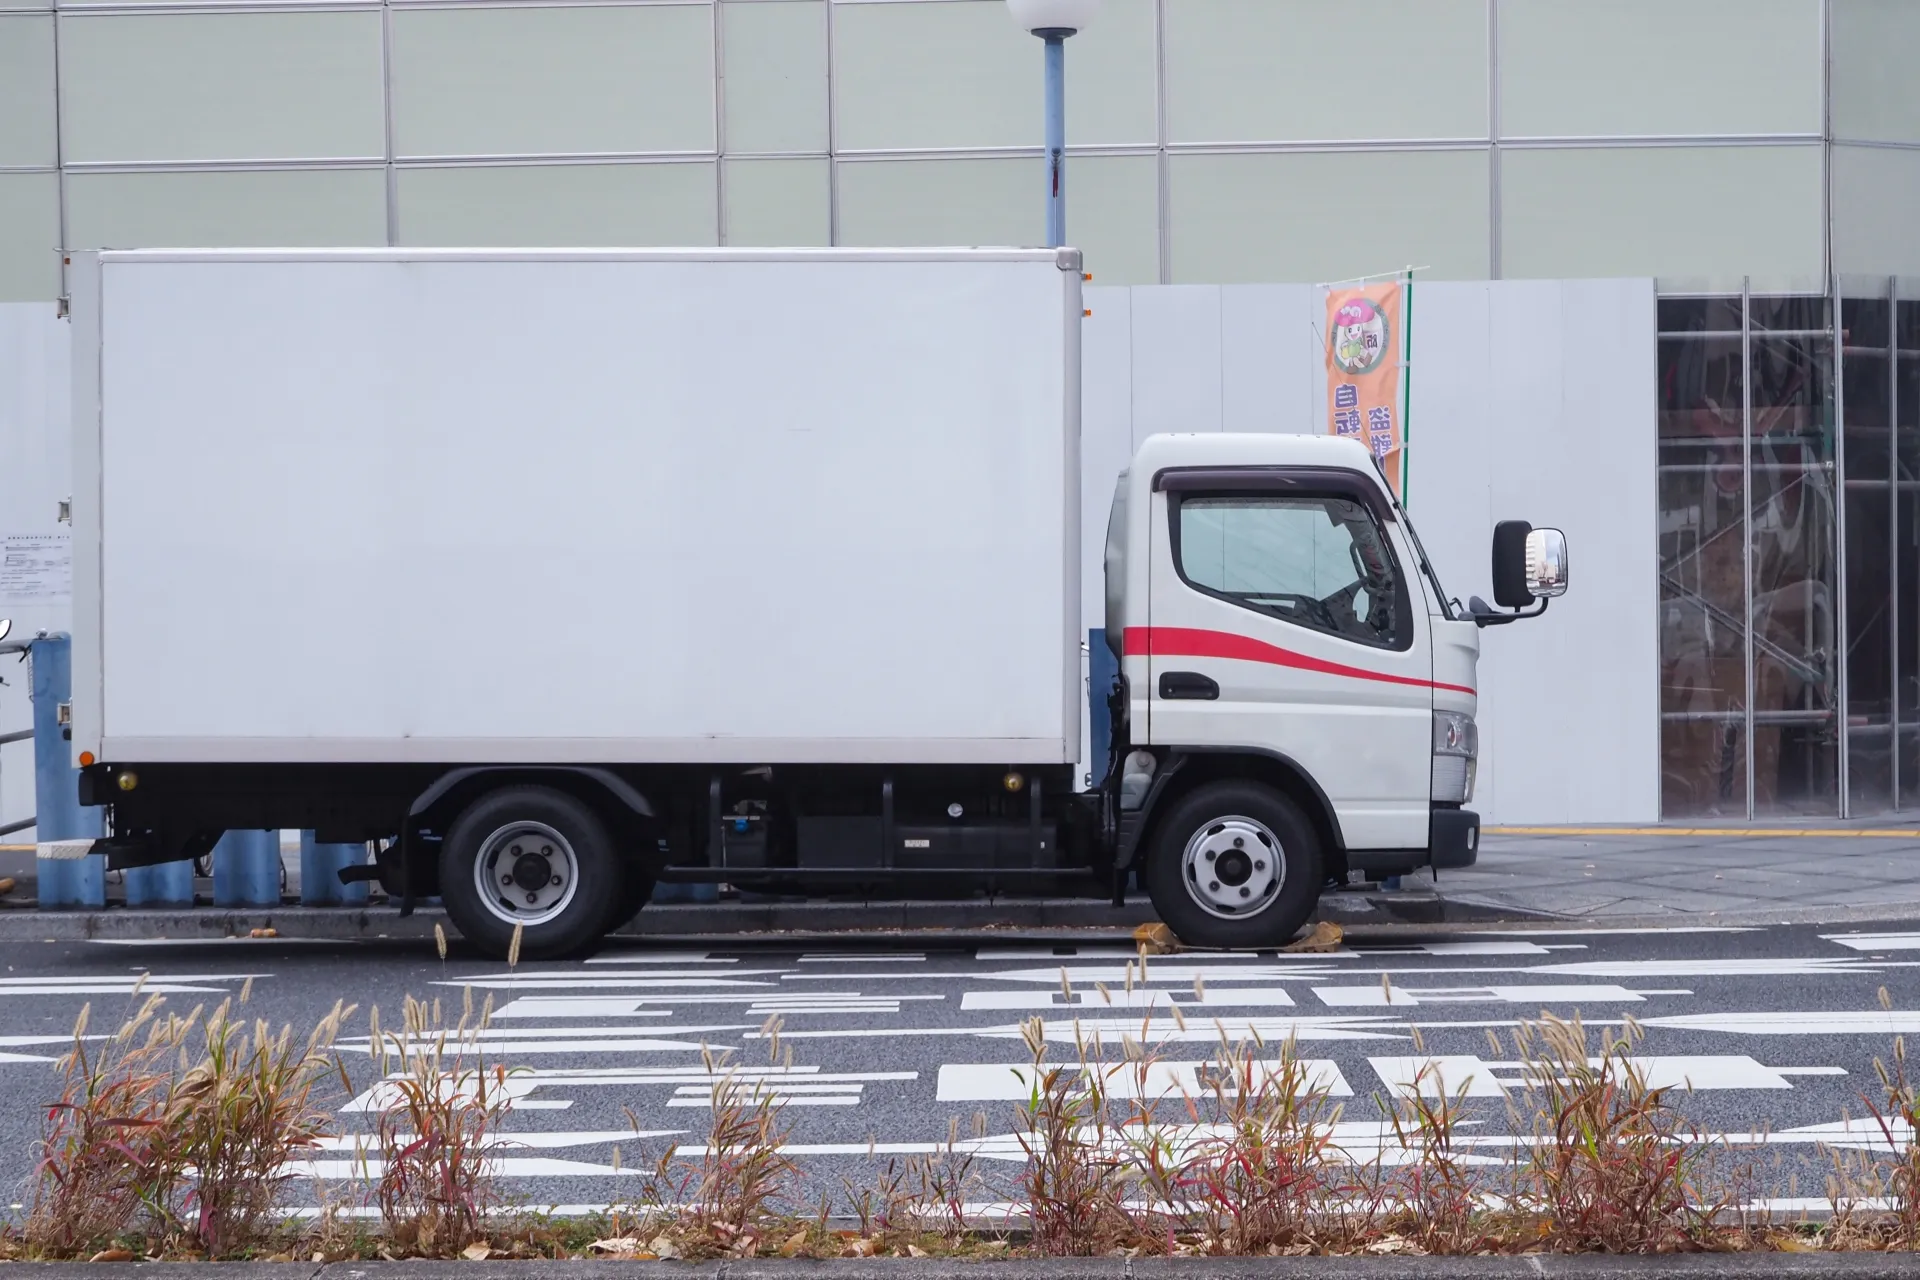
(1282, 620)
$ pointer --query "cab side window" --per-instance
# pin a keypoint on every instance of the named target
(1315, 561)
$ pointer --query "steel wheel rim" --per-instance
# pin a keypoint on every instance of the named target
(1233, 867)
(506, 873)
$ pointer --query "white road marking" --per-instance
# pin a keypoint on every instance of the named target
(1801, 1022)
(1138, 998)
(518, 1086)
(662, 957)
(1448, 1074)
(1458, 949)
(758, 1003)
(1377, 996)
(1876, 941)
(597, 981)
(1713, 968)
(1155, 971)
(864, 957)
(369, 1143)
(1597, 933)
(1014, 1082)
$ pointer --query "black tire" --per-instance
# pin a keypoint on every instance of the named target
(515, 830)
(636, 891)
(1234, 822)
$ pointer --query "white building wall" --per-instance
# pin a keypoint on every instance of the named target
(1213, 141)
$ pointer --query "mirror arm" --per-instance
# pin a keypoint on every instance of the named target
(1485, 617)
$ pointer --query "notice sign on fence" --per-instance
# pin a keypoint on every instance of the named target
(36, 568)
(1366, 337)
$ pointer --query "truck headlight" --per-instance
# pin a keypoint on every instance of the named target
(1456, 748)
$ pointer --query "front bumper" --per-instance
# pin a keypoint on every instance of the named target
(1453, 838)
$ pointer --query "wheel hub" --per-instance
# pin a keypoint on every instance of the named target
(532, 871)
(1233, 867)
(525, 873)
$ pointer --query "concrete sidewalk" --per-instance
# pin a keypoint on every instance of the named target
(1679, 870)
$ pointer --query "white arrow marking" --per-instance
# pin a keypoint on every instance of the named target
(1460, 949)
(1014, 1082)
(1876, 941)
(1378, 997)
(631, 1006)
(1447, 1074)
(1147, 1029)
(610, 981)
(1138, 998)
(662, 957)
(1808, 1022)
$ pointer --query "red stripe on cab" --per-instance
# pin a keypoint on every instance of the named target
(1192, 642)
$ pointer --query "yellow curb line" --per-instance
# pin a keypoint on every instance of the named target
(1737, 833)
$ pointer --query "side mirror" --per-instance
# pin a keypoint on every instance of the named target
(1529, 566)
(1546, 563)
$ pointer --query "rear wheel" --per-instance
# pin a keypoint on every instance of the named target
(532, 858)
(1234, 864)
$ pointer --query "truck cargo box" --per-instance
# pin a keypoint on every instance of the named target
(577, 506)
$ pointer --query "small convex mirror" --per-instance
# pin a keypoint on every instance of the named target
(6, 625)
(1546, 563)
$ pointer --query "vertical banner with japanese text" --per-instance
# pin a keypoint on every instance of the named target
(1366, 350)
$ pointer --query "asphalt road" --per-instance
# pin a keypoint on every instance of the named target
(1772, 1033)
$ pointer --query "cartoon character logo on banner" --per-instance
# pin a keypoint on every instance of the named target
(1360, 336)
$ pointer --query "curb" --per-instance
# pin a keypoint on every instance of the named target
(1003, 920)
(1732, 1266)
(1074, 920)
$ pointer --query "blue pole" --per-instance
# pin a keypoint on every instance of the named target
(320, 873)
(59, 821)
(1056, 136)
(168, 885)
(246, 869)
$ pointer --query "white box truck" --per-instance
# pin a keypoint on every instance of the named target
(555, 575)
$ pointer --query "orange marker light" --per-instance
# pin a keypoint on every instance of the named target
(86, 758)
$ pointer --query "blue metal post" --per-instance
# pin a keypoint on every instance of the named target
(58, 816)
(1056, 136)
(168, 885)
(320, 873)
(246, 869)
(1102, 670)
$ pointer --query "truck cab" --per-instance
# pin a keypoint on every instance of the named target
(1297, 692)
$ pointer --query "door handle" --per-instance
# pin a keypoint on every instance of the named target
(1188, 684)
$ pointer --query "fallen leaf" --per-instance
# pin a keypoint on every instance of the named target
(663, 1247)
(915, 1251)
(1326, 936)
(263, 933)
(279, 1257)
(6, 884)
(112, 1255)
(1794, 1244)
(1156, 939)
(793, 1243)
(478, 1251)
(862, 1248)
(319, 1257)
(617, 1246)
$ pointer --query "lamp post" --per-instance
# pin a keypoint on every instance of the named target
(1053, 21)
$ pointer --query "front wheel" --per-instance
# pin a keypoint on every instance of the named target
(532, 858)
(1234, 864)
